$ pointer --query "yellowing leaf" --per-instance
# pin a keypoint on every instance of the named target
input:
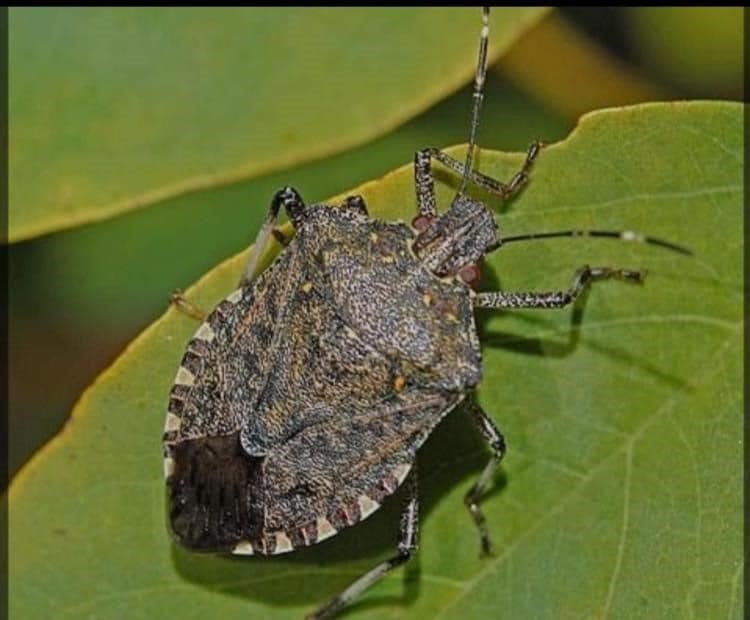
(554, 54)
(621, 493)
(699, 49)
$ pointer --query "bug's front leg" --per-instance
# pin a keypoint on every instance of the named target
(425, 185)
(497, 444)
(557, 299)
(408, 538)
(288, 198)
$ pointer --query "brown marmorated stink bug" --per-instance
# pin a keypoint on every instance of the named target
(302, 399)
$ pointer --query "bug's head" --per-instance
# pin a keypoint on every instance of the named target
(453, 243)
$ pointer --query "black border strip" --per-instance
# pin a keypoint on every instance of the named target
(746, 334)
(4, 525)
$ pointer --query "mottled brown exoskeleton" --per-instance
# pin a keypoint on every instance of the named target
(303, 398)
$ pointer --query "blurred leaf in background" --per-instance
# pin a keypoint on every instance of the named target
(621, 495)
(115, 109)
(572, 73)
(700, 50)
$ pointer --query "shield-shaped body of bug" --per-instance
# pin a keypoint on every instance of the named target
(302, 399)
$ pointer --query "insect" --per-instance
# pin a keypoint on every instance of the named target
(304, 396)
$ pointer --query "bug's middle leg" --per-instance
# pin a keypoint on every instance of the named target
(496, 442)
(408, 539)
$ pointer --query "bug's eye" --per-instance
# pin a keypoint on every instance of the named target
(470, 273)
(421, 222)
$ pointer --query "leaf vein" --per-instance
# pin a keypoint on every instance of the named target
(623, 531)
(558, 506)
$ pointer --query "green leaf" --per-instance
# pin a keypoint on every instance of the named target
(621, 493)
(116, 109)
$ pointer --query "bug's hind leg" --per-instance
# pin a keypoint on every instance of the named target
(288, 198)
(408, 538)
(557, 299)
(497, 443)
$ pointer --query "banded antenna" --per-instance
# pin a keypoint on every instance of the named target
(621, 235)
(478, 96)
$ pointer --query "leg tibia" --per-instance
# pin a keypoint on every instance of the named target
(408, 536)
(557, 299)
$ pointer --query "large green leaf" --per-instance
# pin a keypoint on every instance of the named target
(114, 109)
(621, 494)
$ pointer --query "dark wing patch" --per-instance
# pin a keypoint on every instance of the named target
(215, 493)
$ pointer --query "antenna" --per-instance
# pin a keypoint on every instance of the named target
(478, 96)
(622, 235)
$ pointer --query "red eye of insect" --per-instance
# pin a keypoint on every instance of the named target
(470, 273)
(421, 222)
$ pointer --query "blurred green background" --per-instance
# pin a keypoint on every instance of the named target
(78, 296)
